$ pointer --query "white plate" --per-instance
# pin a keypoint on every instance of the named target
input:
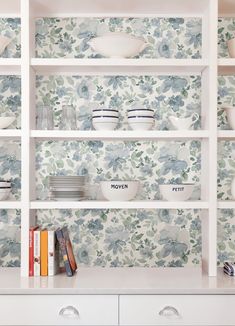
(75, 189)
(69, 199)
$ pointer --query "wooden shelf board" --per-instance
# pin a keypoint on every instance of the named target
(226, 204)
(8, 204)
(10, 133)
(119, 280)
(10, 66)
(119, 134)
(226, 134)
(122, 7)
(92, 204)
(118, 66)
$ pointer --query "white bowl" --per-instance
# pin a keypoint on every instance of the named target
(230, 111)
(4, 193)
(4, 42)
(118, 45)
(119, 190)
(104, 125)
(231, 47)
(140, 119)
(105, 112)
(180, 192)
(141, 126)
(5, 184)
(146, 113)
(105, 118)
(6, 122)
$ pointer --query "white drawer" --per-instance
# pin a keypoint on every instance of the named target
(192, 309)
(45, 310)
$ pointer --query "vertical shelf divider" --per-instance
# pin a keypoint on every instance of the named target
(209, 148)
(27, 145)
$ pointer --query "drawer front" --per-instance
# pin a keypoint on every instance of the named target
(58, 310)
(177, 310)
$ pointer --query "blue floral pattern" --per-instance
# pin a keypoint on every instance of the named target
(165, 162)
(120, 238)
(11, 27)
(10, 238)
(166, 95)
(10, 98)
(226, 236)
(226, 31)
(166, 37)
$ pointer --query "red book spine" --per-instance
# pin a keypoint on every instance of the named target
(31, 250)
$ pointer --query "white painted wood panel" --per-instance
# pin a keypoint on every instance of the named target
(47, 310)
(191, 310)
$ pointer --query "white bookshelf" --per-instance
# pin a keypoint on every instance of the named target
(208, 67)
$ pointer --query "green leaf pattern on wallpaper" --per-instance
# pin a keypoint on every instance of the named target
(121, 237)
(166, 37)
(10, 27)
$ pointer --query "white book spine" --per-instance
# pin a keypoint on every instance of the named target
(51, 253)
(36, 253)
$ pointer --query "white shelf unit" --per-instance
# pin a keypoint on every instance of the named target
(206, 67)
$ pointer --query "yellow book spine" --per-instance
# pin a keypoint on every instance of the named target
(44, 253)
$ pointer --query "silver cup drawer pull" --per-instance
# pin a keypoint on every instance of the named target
(169, 312)
(69, 312)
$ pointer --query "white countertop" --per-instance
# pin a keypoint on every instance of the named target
(119, 281)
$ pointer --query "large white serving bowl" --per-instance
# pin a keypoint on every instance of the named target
(231, 47)
(4, 193)
(118, 45)
(4, 42)
(230, 111)
(119, 190)
(180, 192)
(6, 122)
(146, 113)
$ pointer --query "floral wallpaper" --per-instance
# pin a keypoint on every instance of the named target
(226, 31)
(10, 27)
(10, 166)
(166, 37)
(167, 95)
(117, 238)
(150, 162)
(10, 99)
(226, 236)
(10, 238)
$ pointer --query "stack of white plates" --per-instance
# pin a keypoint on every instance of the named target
(141, 118)
(105, 118)
(67, 188)
(5, 189)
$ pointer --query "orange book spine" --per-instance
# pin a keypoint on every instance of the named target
(44, 253)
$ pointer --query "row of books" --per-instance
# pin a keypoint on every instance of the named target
(46, 247)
